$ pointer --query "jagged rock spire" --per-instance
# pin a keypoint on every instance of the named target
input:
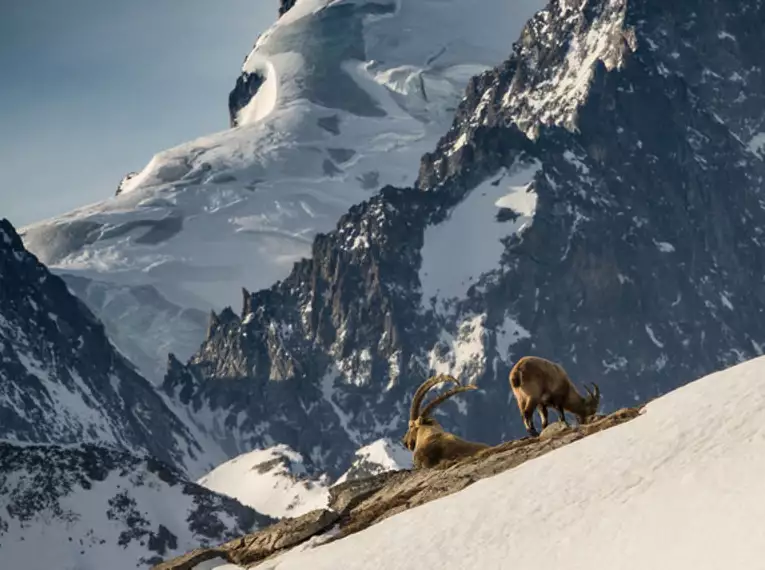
(247, 306)
(212, 324)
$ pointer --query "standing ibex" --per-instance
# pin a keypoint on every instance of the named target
(539, 383)
(426, 438)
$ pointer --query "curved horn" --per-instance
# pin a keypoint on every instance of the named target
(445, 396)
(596, 393)
(419, 395)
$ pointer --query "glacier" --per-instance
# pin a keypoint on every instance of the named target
(352, 93)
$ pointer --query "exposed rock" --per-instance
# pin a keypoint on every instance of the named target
(346, 496)
(359, 504)
(190, 560)
(553, 430)
(124, 181)
(247, 85)
(281, 536)
(284, 6)
(256, 547)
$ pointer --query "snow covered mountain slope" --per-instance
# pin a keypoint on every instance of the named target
(277, 483)
(63, 382)
(678, 487)
(78, 507)
(273, 481)
(596, 202)
(377, 457)
(337, 99)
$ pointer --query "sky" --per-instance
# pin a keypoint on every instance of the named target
(91, 90)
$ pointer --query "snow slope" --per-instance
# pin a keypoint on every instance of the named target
(82, 507)
(273, 481)
(678, 487)
(63, 382)
(377, 457)
(352, 94)
(480, 249)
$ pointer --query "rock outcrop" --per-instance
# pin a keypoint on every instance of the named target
(358, 504)
(284, 6)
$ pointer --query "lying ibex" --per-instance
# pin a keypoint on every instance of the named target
(426, 438)
(539, 383)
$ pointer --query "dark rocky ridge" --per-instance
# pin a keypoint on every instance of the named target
(62, 381)
(247, 85)
(642, 269)
(284, 6)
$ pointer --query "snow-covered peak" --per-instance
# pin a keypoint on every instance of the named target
(277, 483)
(677, 487)
(597, 35)
(336, 100)
(273, 481)
(377, 457)
(408, 47)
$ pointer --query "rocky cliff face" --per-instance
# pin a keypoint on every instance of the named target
(598, 200)
(61, 379)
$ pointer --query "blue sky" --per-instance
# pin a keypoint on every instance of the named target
(90, 90)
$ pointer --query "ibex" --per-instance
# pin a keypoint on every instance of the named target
(539, 383)
(426, 438)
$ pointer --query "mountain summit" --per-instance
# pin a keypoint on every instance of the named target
(595, 198)
(336, 100)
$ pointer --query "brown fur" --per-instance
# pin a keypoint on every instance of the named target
(425, 436)
(538, 383)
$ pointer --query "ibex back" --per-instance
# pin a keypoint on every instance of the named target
(538, 383)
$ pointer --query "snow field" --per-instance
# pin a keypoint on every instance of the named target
(292, 168)
(82, 535)
(472, 233)
(275, 481)
(272, 481)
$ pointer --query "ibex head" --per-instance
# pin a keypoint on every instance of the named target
(591, 401)
(419, 419)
